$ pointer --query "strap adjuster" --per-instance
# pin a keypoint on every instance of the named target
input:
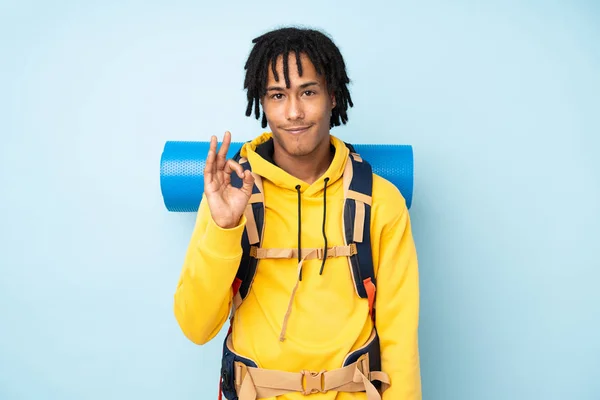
(253, 251)
(331, 252)
(313, 382)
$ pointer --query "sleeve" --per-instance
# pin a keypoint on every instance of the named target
(397, 307)
(203, 296)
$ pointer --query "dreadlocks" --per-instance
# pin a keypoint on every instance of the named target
(321, 51)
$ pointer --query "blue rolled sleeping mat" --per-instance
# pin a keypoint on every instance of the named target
(182, 165)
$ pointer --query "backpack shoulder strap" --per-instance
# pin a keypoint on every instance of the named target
(252, 235)
(358, 188)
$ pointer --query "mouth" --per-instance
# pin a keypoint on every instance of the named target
(297, 130)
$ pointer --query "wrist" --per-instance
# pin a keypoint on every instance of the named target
(227, 224)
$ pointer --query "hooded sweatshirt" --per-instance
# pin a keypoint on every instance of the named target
(327, 319)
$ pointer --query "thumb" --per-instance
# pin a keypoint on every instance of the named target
(248, 183)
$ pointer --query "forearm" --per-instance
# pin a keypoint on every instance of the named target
(398, 312)
(203, 296)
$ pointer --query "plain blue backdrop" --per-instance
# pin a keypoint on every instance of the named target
(500, 100)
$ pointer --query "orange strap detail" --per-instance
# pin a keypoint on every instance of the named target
(370, 288)
(236, 285)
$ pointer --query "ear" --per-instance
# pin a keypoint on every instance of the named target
(333, 103)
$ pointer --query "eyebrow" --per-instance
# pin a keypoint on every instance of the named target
(303, 86)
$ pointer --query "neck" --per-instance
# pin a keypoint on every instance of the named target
(307, 168)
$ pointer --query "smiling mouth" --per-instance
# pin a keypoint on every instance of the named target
(297, 129)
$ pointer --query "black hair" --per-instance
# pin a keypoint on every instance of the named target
(321, 51)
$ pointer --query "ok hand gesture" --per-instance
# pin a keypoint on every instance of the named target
(226, 203)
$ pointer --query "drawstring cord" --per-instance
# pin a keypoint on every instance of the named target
(299, 231)
(324, 235)
(300, 259)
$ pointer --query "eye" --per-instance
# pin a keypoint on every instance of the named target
(309, 93)
(277, 96)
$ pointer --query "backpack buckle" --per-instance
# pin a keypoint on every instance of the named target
(313, 382)
(320, 253)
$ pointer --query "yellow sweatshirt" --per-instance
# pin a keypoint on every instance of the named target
(328, 320)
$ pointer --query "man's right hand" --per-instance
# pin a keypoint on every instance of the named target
(226, 203)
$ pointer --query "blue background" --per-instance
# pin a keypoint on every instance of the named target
(500, 101)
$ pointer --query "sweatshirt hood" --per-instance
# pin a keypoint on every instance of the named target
(259, 153)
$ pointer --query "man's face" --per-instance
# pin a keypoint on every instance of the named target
(299, 116)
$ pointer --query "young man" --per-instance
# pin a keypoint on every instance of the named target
(307, 323)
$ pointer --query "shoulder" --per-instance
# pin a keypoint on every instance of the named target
(387, 204)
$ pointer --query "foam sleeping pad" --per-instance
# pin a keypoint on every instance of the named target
(182, 167)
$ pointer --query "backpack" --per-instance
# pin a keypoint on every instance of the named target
(358, 182)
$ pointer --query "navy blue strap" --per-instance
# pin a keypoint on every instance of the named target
(247, 267)
(362, 261)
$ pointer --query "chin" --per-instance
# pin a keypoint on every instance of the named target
(298, 149)
(301, 152)
(301, 145)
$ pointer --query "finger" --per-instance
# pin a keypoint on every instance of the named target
(222, 155)
(209, 167)
(231, 166)
(248, 183)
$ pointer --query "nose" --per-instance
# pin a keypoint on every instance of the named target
(295, 110)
